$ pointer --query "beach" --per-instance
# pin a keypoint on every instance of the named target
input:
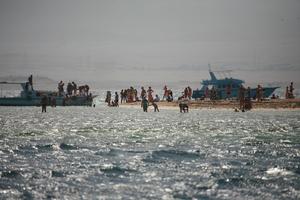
(227, 104)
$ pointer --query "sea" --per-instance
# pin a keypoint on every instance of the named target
(124, 153)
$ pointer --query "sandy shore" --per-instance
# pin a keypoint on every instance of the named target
(266, 104)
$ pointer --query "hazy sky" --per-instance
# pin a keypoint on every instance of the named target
(150, 40)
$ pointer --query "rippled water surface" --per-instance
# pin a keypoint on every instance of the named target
(114, 153)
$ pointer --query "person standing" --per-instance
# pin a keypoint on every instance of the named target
(122, 96)
(145, 104)
(287, 93)
(206, 95)
(74, 88)
(157, 99)
(165, 92)
(150, 97)
(108, 98)
(143, 93)
(291, 92)
(69, 89)
(190, 92)
(242, 97)
(248, 103)
(155, 107)
(116, 99)
(44, 102)
(60, 88)
(259, 93)
(30, 81)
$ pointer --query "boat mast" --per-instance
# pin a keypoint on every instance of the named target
(212, 75)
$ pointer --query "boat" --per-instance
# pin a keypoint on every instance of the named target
(221, 87)
(31, 97)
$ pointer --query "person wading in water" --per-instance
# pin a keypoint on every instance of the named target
(145, 104)
(44, 102)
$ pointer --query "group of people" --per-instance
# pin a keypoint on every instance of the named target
(146, 98)
(211, 94)
(110, 102)
(188, 92)
(244, 96)
(168, 94)
(72, 89)
(129, 95)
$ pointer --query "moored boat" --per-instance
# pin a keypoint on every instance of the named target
(226, 86)
(30, 97)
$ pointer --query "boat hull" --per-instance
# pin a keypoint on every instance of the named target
(36, 101)
(221, 94)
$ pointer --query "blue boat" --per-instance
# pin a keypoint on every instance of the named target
(30, 97)
(222, 86)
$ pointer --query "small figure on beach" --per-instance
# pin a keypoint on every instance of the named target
(206, 93)
(143, 93)
(291, 90)
(242, 97)
(122, 96)
(213, 93)
(150, 91)
(183, 104)
(116, 99)
(145, 104)
(273, 96)
(60, 88)
(44, 102)
(86, 89)
(189, 92)
(259, 93)
(74, 87)
(185, 92)
(248, 103)
(155, 107)
(69, 88)
(166, 93)
(130, 95)
(136, 98)
(287, 92)
(156, 99)
(30, 81)
(170, 96)
(108, 98)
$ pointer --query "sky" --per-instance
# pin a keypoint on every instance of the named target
(150, 40)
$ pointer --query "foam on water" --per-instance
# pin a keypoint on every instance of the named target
(113, 153)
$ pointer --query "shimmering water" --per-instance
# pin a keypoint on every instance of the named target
(123, 153)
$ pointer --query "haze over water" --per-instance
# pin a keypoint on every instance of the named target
(114, 153)
(136, 40)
